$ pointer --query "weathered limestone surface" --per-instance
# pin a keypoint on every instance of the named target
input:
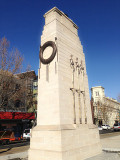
(64, 128)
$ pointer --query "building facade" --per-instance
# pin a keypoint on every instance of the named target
(105, 110)
(35, 93)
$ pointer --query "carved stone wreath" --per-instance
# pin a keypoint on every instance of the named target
(45, 45)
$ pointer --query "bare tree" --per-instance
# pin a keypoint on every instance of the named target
(102, 112)
(28, 68)
(10, 60)
(105, 113)
(12, 88)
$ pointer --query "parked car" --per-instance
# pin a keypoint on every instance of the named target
(100, 128)
(105, 126)
(116, 127)
(26, 134)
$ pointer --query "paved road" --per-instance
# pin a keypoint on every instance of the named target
(15, 144)
(14, 151)
(106, 131)
(109, 134)
(111, 141)
(105, 156)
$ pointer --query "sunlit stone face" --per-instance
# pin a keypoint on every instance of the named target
(64, 128)
(47, 52)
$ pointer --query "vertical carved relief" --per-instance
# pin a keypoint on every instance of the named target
(76, 66)
(47, 72)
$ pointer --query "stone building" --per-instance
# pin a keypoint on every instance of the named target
(105, 110)
(35, 93)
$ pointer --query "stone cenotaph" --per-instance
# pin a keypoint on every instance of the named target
(64, 130)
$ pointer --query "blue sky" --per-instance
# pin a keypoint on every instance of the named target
(21, 22)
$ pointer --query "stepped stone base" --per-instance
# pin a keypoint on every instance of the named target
(65, 142)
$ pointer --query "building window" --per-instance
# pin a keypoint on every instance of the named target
(35, 95)
(35, 87)
(4, 101)
(17, 103)
(17, 87)
(97, 93)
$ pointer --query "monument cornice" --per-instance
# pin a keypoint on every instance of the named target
(55, 9)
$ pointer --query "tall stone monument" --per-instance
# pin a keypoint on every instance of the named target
(64, 128)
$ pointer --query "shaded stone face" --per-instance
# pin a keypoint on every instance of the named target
(64, 122)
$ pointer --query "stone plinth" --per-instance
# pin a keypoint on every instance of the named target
(64, 122)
